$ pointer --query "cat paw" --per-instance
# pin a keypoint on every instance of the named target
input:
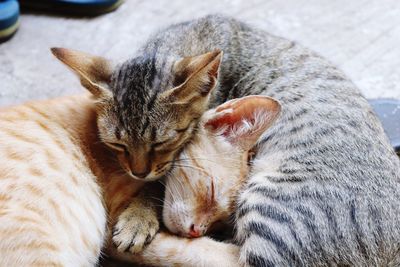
(134, 229)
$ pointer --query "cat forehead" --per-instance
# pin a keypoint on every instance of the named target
(132, 82)
(137, 78)
(136, 86)
(211, 153)
(133, 126)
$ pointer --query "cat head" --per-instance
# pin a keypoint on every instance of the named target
(202, 188)
(147, 110)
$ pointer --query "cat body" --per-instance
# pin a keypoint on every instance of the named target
(323, 188)
(61, 189)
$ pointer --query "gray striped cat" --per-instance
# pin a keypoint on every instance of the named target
(323, 190)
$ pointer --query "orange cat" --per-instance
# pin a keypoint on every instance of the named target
(53, 176)
(61, 189)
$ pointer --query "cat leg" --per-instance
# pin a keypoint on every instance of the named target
(137, 225)
(170, 250)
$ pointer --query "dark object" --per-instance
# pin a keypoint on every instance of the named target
(9, 19)
(72, 7)
(388, 111)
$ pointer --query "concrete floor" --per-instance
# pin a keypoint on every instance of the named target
(360, 36)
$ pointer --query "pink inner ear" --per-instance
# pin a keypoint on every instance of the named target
(229, 120)
(241, 109)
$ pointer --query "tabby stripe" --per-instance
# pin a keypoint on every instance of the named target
(29, 207)
(20, 136)
(234, 93)
(59, 215)
(308, 219)
(358, 233)
(36, 245)
(307, 216)
(270, 212)
(266, 211)
(297, 115)
(35, 172)
(40, 112)
(332, 224)
(4, 198)
(262, 230)
(63, 189)
(52, 160)
(145, 126)
(74, 179)
(258, 261)
(55, 137)
(270, 193)
(10, 231)
(34, 190)
(24, 219)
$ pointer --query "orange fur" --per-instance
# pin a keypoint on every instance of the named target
(57, 182)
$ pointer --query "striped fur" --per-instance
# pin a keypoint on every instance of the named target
(323, 189)
(132, 105)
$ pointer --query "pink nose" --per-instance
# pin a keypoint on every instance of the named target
(194, 231)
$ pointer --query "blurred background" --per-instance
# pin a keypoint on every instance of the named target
(360, 36)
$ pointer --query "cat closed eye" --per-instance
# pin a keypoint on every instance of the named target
(188, 126)
(118, 147)
(159, 144)
(182, 130)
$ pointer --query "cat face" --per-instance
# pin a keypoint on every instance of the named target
(144, 114)
(202, 188)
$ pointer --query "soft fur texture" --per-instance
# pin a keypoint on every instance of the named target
(323, 189)
(134, 101)
(61, 189)
(202, 188)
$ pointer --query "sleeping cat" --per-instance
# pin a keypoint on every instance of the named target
(209, 184)
(211, 171)
(60, 188)
(61, 191)
(204, 186)
(324, 184)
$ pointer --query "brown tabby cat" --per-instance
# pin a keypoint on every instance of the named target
(61, 188)
(143, 156)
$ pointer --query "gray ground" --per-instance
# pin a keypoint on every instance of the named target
(360, 36)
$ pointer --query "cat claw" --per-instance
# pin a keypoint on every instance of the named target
(134, 230)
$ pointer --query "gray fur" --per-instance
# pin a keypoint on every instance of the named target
(324, 189)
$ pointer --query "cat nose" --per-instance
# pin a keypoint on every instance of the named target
(140, 164)
(194, 231)
(141, 175)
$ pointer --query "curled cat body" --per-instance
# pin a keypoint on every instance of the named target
(61, 189)
(212, 177)
(323, 189)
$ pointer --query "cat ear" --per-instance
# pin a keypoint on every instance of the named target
(242, 121)
(195, 78)
(93, 71)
